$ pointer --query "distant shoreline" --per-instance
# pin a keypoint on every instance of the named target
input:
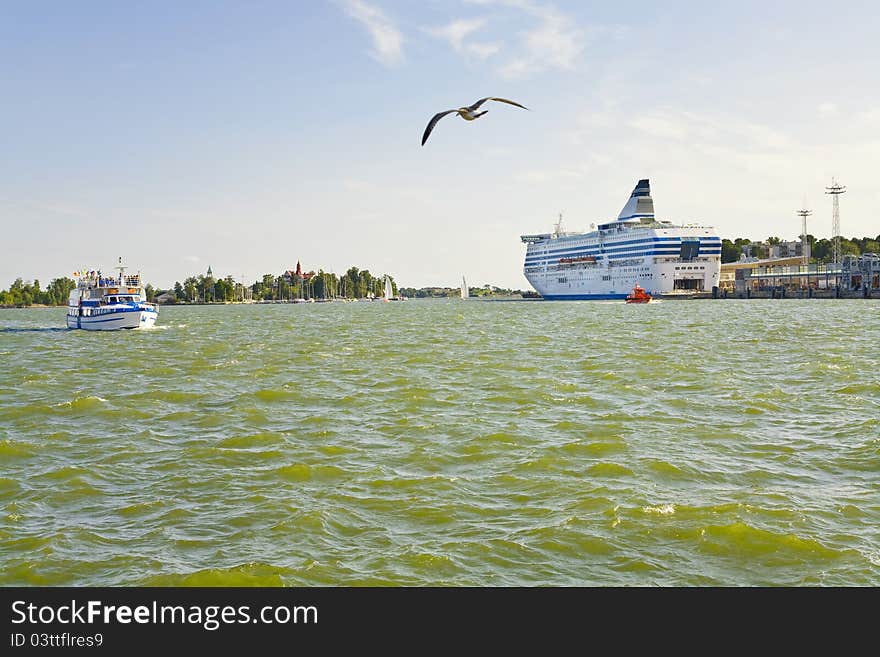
(9, 306)
(683, 297)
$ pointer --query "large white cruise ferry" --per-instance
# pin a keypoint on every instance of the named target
(635, 249)
(107, 303)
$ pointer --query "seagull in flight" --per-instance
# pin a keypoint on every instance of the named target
(467, 113)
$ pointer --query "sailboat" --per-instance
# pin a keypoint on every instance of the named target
(464, 289)
(389, 292)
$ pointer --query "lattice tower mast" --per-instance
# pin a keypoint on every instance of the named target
(835, 190)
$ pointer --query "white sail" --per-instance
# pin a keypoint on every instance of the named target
(388, 290)
(464, 288)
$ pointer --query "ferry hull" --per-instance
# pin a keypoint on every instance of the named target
(133, 319)
(582, 297)
(658, 275)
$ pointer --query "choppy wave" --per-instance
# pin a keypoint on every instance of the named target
(708, 443)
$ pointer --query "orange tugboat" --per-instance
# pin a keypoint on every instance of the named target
(638, 295)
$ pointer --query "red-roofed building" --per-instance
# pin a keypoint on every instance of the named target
(291, 275)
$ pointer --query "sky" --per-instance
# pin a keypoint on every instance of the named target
(249, 135)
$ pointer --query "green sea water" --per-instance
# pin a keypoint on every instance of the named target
(445, 442)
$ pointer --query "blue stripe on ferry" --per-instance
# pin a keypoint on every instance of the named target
(657, 241)
(644, 248)
(633, 252)
(633, 216)
(657, 238)
(645, 241)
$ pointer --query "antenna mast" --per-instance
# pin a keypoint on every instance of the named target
(558, 226)
(805, 243)
(835, 190)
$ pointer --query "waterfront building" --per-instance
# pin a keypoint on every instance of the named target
(788, 278)
(855, 273)
(766, 251)
(861, 272)
(754, 251)
(785, 249)
(733, 272)
(300, 282)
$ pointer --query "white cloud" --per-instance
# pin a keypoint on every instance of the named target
(191, 258)
(556, 42)
(457, 31)
(484, 50)
(827, 109)
(744, 175)
(387, 39)
(538, 176)
(356, 185)
(658, 126)
(52, 207)
(698, 130)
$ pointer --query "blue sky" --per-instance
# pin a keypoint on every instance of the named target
(250, 135)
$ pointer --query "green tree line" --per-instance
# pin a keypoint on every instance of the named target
(820, 250)
(26, 294)
(442, 292)
(353, 284)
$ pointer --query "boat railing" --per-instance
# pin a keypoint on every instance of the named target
(129, 281)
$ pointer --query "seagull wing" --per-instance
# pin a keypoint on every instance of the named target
(433, 122)
(476, 106)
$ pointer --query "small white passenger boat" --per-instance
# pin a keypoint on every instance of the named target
(108, 303)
